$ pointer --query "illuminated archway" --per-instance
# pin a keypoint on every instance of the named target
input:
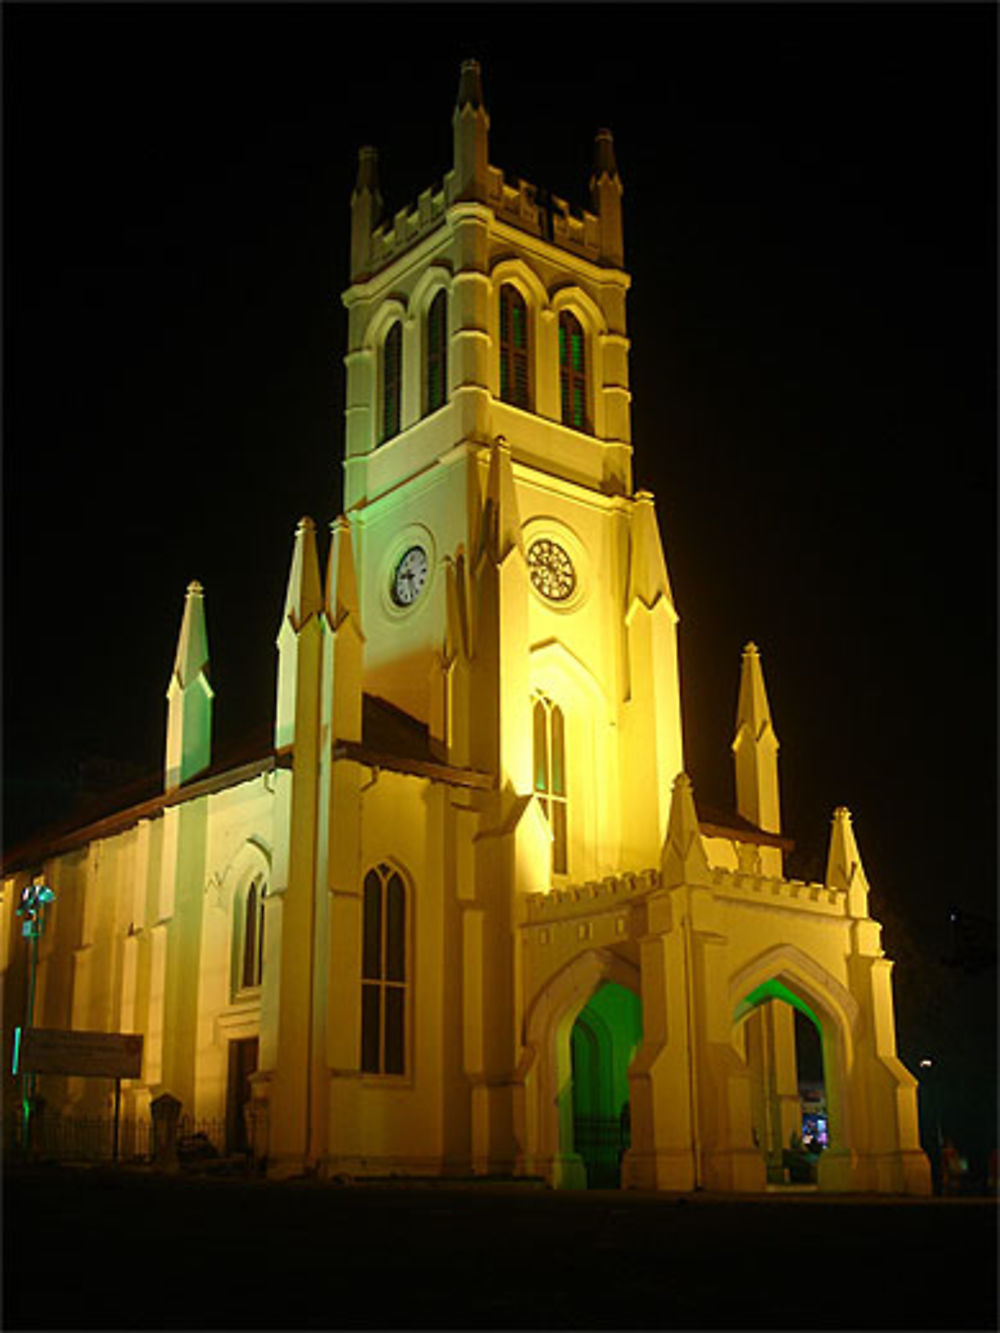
(603, 1041)
(544, 1078)
(780, 1037)
(787, 978)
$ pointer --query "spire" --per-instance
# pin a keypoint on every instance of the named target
(752, 710)
(606, 199)
(755, 749)
(501, 531)
(304, 597)
(683, 860)
(843, 864)
(189, 697)
(647, 573)
(341, 579)
(344, 659)
(297, 634)
(192, 642)
(471, 128)
(366, 210)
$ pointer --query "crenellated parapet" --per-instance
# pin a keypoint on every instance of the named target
(407, 226)
(521, 204)
(795, 893)
(524, 206)
(613, 891)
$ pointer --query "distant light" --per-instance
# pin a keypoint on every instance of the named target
(926, 1064)
(953, 916)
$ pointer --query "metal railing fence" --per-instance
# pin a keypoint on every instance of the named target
(82, 1138)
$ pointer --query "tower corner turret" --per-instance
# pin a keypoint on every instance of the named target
(471, 127)
(366, 210)
(606, 200)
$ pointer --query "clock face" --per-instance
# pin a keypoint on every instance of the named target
(409, 576)
(551, 570)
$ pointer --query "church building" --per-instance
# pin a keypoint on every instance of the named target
(466, 916)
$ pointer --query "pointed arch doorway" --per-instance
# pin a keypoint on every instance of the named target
(782, 1041)
(544, 1109)
(603, 1041)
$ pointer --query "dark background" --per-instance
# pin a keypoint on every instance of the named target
(810, 214)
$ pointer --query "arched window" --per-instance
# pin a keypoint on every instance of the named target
(513, 347)
(383, 973)
(437, 352)
(252, 934)
(572, 372)
(550, 772)
(392, 380)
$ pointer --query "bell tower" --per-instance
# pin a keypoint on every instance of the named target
(514, 593)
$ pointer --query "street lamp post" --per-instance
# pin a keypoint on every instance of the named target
(34, 900)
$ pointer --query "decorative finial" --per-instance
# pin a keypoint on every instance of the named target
(305, 524)
(194, 589)
(751, 650)
(470, 86)
(367, 169)
(604, 154)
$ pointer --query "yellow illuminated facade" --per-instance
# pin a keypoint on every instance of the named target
(466, 916)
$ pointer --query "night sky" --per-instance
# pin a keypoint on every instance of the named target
(810, 221)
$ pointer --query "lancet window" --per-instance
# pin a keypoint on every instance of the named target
(392, 380)
(550, 773)
(572, 372)
(437, 352)
(383, 973)
(251, 969)
(513, 347)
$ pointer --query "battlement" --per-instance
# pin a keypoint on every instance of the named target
(789, 892)
(408, 226)
(614, 890)
(521, 205)
(591, 896)
(546, 215)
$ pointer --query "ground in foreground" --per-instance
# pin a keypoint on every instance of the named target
(99, 1249)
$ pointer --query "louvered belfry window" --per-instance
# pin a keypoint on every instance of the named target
(392, 380)
(383, 973)
(550, 773)
(437, 352)
(572, 372)
(513, 347)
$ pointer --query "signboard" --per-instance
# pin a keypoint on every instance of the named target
(87, 1054)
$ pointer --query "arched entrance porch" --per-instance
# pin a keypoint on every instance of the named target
(779, 1036)
(770, 996)
(595, 995)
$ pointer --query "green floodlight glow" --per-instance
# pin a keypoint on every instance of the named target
(773, 990)
(17, 1050)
